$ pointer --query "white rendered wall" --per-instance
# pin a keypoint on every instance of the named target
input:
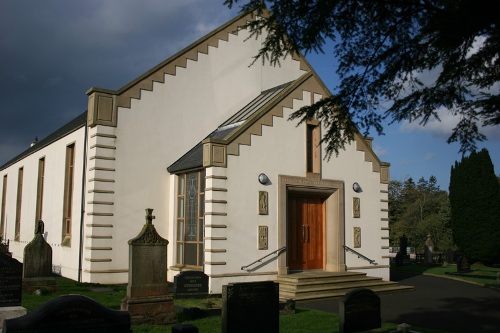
(280, 150)
(168, 121)
(65, 260)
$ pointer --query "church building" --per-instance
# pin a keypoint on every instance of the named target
(240, 192)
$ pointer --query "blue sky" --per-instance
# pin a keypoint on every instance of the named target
(53, 51)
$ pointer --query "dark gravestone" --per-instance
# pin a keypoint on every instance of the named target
(463, 265)
(70, 313)
(250, 307)
(37, 273)
(403, 244)
(359, 311)
(11, 281)
(190, 284)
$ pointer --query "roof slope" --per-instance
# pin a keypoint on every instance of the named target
(194, 158)
(66, 129)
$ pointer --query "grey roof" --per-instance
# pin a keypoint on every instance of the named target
(70, 127)
(193, 159)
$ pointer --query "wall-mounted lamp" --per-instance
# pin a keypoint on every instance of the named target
(263, 178)
(356, 187)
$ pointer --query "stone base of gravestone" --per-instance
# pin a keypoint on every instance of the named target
(153, 309)
(45, 284)
(10, 312)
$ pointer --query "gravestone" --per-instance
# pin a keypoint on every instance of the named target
(463, 265)
(70, 313)
(250, 307)
(190, 284)
(359, 310)
(37, 272)
(11, 281)
(429, 251)
(147, 290)
(402, 256)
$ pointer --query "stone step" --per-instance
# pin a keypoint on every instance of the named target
(319, 285)
(337, 283)
(321, 277)
(336, 286)
(341, 293)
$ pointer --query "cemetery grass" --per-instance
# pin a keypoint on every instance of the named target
(304, 320)
(479, 274)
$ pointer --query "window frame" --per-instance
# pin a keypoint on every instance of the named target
(69, 179)
(19, 201)
(4, 200)
(184, 247)
(40, 188)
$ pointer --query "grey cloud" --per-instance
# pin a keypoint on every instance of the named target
(53, 51)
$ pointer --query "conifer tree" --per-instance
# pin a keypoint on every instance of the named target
(475, 207)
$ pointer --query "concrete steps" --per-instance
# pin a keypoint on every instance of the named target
(318, 284)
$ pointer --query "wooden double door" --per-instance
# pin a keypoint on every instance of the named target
(306, 216)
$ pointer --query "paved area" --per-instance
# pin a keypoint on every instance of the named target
(437, 303)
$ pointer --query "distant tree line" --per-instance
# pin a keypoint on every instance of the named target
(467, 219)
(418, 209)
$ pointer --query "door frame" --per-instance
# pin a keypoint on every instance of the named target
(334, 230)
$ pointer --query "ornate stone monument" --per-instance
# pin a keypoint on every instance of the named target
(37, 260)
(147, 299)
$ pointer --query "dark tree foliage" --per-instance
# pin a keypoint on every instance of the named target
(475, 206)
(385, 50)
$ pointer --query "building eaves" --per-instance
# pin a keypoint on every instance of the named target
(66, 129)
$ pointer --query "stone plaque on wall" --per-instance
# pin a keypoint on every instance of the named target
(356, 207)
(357, 237)
(263, 237)
(263, 203)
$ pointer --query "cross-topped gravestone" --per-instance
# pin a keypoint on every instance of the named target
(149, 216)
(147, 299)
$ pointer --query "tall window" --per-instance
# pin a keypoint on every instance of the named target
(68, 194)
(39, 191)
(2, 217)
(190, 212)
(313, 147)
(19, 201)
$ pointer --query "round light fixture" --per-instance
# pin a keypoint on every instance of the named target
(356, 187)
(263, 178)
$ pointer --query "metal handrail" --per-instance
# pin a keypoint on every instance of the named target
(264, 257)
(371, 261)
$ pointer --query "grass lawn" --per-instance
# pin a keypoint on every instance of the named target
(303, 321)
(479, 274)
